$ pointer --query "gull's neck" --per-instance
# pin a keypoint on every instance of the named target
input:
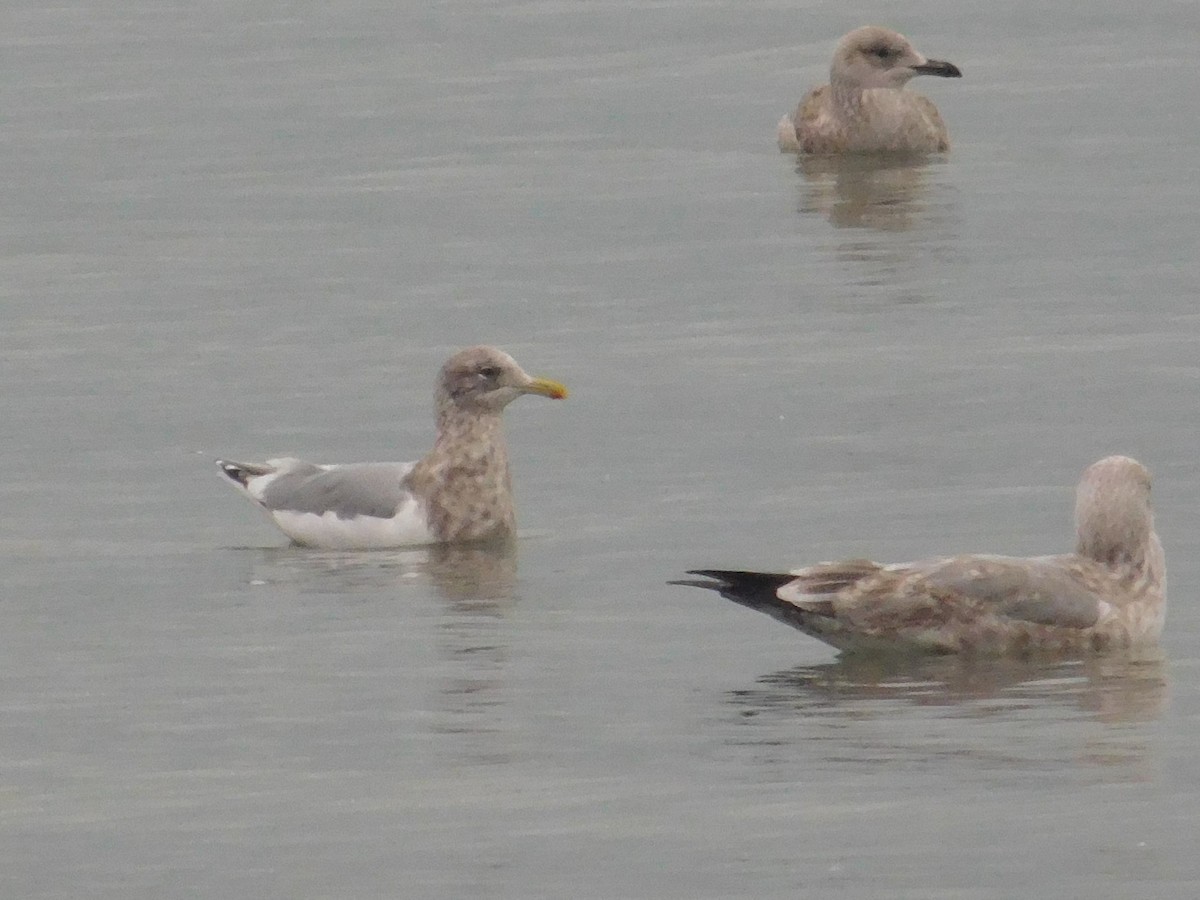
(852, 101)
(457, 426)
(847, 96)
(850, 106)
(1121, 542)
(465, 479)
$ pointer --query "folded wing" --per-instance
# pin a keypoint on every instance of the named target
(347, 491)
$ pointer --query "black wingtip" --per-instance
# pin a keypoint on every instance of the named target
(717, 582)
(696, 582)
(233, 472)
(760, 591)
(749, 588)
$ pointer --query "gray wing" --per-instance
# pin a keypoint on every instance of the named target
(359, 489)
(1045, 590)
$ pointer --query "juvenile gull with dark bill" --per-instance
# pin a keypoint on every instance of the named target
(865, 108)
(1110, 593)
(460, 491)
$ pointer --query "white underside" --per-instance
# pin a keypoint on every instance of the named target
(408, 528)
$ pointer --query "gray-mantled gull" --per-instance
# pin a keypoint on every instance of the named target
(865, 107)
(1109, 593)
(460, 491)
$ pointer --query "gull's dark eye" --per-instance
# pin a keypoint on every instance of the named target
(490, 372)
(883, 51)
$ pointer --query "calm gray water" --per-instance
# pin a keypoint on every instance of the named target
(253, 229)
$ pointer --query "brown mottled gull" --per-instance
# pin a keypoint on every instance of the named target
(460, 491)
(865, 107)
(1109, 593)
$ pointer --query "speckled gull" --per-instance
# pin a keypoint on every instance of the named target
(1109, 593)
(460, 491)
(865, 108)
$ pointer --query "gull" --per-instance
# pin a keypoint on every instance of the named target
(865, 108)
(1109, 594)
(460, 491)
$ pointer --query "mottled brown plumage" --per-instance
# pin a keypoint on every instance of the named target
(866, 108)
(1109, 593)
(464, 481)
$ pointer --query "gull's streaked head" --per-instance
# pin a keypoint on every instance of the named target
(875, 57)
(1113, 517)
(488, 379)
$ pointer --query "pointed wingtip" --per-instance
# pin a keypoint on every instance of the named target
(715, 579)
(696, 582)
(233, 471)
(753, 589)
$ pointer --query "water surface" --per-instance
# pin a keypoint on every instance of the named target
(253, 230)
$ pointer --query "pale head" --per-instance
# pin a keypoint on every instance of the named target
(486, 379)
(1113, 518)
(874, 57)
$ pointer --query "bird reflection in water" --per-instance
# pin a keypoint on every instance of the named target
(1115, 688)
(474, 578)
(478, 584)
(880, 192)
(964, 709)
(474, 588)
(482, 574)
